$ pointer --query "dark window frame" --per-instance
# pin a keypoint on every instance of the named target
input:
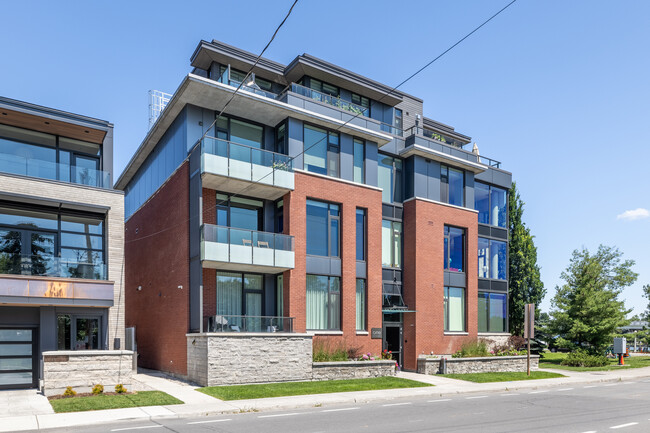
(487, 314)
(330, 219)
(445, 304)
(489, 202)
(447, 250)
(363, 145)
(220, 205)
(329, 146)
(329, 326)
(364, 241)
(445, 190)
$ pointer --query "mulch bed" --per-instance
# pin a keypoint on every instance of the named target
(85, 394)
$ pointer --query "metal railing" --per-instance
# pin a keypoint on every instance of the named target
(437, 138)
(50, 266)
(246, 238)
(243, 153)
(329, 99)
(234, 323)
(25, 166)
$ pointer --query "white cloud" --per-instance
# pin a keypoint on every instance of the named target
(634, 214)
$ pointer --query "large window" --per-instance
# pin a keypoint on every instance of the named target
(241, 132)
(491, 202)
(391, 244)
(30, 153)
(41, 241)
(239, 295)
(361, 304)
(239, 212)
(389, 178)
(452, 186)
(321, 151)
(363, 102)
(454, 249)
(454, 305)
(78, 332)
(323, 229)
(492, 259)
(361, 234)
(397, 121)
(359, 172)
(492, 312)
(323, 303)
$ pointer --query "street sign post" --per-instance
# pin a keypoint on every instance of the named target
(529, 331)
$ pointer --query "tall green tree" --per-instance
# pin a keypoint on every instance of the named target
(646, 293)
(525, 285)
(586, 309)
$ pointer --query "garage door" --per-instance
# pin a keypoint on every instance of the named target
(18, 358)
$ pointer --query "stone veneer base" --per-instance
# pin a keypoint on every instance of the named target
(488, 364)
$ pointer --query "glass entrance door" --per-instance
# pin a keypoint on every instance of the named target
(18, 358)
(393, 340)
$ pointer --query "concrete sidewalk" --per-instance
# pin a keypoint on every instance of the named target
(198, 404)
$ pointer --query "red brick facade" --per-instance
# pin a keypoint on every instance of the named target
(424, 223)
(157, 258)
(349, 197)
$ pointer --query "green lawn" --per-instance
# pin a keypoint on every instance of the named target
(553, 360)
(502, 377)
(241, 392)
(99, 402)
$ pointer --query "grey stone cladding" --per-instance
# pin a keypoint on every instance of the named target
(83, 369)
(488, 364)
(232, 358)
(352, 370)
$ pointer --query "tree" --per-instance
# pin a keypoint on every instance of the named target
(586, 309)
(646, 293)
(525, 285)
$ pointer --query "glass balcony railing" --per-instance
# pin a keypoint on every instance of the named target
(455, 146)
(233, 323)
(392, 129)
(49, 266)
(26, 166)
(247, 154)
(233, 245)
(329, 99)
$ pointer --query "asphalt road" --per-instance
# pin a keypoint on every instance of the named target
(613, 407)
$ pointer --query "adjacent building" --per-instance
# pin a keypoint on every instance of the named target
(61, 239)
(319, 202)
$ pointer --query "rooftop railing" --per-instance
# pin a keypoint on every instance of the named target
(234, 323)
(26, 166)
(438, 140)
(392, 129)
(50, 266)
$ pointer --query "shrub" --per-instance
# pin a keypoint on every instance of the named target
(580, 358)
(98, 389)
(119, 388)
(387, 354)
(471, 349)
(324, 351)
(69, 392)
(516, 342)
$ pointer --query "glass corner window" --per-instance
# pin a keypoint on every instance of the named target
(492, 259)
(491, 202)
(454, 309)
(492, 312)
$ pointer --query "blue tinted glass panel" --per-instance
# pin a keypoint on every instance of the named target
(456, 187)
(316, 228)
(498, 259)
(361, 234)
(315, 142)
(499, 207)
(482, 202)
(483, 258)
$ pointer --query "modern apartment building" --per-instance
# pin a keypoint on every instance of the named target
(61, 239)
(320, 202)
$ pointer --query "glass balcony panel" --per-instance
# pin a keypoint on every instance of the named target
(46, 265)
(249, 323)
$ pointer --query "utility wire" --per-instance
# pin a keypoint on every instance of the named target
(273, 169)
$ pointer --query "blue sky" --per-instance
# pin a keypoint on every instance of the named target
(558, 91)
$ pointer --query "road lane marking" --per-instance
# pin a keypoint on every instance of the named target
(610, 384)
(439, 400)
(537, 392)
(280, 414)
(478, 396)
(210, 421)
(137, 428)
(564, 389)
(509, 394)
(590, 386)
(629, 424)
(395, 404)
(338, 410)
(590, 431)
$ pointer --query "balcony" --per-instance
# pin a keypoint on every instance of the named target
(42, 169)
(439, 148)
(232, 167)
(44, 265)
(234, 249)
(231, 323)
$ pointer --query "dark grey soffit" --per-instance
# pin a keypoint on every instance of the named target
(51, 113)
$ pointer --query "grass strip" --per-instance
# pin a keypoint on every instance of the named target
(242, 392)
(553, 360)
(502, 377)
(100, 402)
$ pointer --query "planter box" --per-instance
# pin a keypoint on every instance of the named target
(83, 369)
(352, 369)
(488, 364)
